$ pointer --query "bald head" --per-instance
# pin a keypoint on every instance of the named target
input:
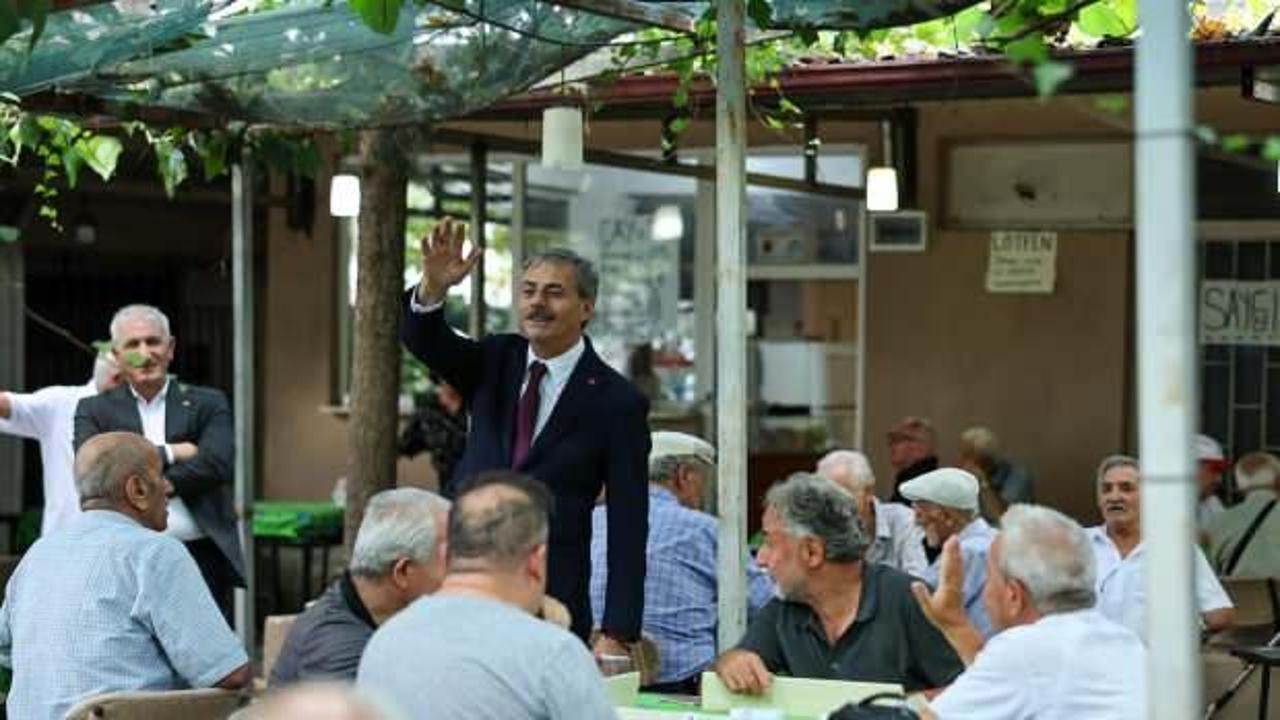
(498, 520)
(105, 462)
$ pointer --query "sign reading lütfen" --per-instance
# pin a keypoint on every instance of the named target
(1233, 312)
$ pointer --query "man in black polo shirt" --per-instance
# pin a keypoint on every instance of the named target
(398, 557)
(840, 618)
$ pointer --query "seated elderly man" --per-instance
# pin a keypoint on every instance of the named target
(1244, 541)
(895, 539)
(1001, 482)
(1054, 656)
(398, 557)
(474, 650)
(680, 582)
(840, 617)
(946, 505)
(1117, 545)
(111, 603)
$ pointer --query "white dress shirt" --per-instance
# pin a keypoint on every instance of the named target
(1064, 666)
(899, 541)
(48, 416)
(1122, 592)
(181, 523)
(559, 368)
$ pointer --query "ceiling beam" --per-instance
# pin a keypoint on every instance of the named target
(640, 12)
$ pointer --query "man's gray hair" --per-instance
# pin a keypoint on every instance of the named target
(810, 505)
(983, 442)
(138, 312)
(398, 523)
(498, 519)
(1049, 553)
(853, 462)
(663, 469)
(585, 275)
(1111, 462)
(1257, 471)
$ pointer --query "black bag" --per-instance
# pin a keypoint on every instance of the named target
(877, 707)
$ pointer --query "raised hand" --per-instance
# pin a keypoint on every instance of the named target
(443, 265)
(944, 607)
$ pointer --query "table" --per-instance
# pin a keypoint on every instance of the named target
(649, 706)
(307, 526)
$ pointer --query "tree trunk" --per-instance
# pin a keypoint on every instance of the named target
(375, 370)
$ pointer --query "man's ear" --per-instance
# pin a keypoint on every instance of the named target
(812, 552)
(536, 565)
(138, 492)
(400, 572)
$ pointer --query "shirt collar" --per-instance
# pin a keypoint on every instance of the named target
(160, 396)
(102, 516)
(353, 601)
(977, 528)
(883, 531)
(868, 603)
(1098, 534)
(658, 493)
(559, 367)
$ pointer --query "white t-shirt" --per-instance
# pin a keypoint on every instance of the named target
(1062, 667)
(48, 415)
(1122, 593)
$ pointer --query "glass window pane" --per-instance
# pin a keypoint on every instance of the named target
(1249, 369)
(1218, 257)
(1251, 261)
(1215, 401)
(1217, 353)
(1248, 432)
(785, 227)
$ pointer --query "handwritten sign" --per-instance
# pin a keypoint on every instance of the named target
(1022, 262)
(1235, 312)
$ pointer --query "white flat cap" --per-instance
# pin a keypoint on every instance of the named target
(1208, 449)
(949, 487)
(667, 443)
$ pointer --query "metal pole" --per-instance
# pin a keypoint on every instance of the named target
(731, 306)
(519, 191)
(242, 319)
(479, 213)
(1167, 388)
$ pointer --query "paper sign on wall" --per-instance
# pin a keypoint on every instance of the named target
(1022, 262)
(1234, 312)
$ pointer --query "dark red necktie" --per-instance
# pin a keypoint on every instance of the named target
(527, 413)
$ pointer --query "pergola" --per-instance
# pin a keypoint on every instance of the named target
(315, 64)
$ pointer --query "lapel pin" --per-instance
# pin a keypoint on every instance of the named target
(186, 403)
(591, 381)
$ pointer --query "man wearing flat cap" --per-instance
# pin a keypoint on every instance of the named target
(946, 505)
(680, 583)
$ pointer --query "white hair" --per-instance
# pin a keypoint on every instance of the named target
(1050, 555)
(1111, 462)
(138, 312)
(397, 524)
(983, 442)
(855, 463)
(1257, 471)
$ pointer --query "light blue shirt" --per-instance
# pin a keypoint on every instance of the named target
(108, 605)
(679, 584)
(975, 542)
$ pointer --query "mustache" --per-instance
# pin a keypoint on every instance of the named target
(1116, 506)
(538, 314)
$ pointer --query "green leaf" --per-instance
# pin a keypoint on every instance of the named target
(760, 12)
(1030, 50)
(968, 23)
(134, 359)
(1049, 75)
(71, 162)
(100, 152)
(1127, 12)
(1206, 135)
(38, 12)
(8, 234)
(1099, 20)
(1114, 104)
(9, 24)
(379, 15)
(1271, 149)
(171, 164)
(1235, 142)
(212, 151)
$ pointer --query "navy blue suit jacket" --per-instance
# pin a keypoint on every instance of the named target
(597, 436)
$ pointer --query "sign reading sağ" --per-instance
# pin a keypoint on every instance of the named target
(1236, 312)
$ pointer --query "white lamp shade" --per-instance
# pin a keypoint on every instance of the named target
(344, 196)
(882, 189)
(562, 138)
(668, 223)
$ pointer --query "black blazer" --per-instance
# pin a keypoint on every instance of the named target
(194, 414)
(597, 436)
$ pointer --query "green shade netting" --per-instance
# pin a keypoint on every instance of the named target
(316, 64)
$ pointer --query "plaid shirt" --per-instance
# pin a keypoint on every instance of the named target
(108, 605)
(680, 583)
